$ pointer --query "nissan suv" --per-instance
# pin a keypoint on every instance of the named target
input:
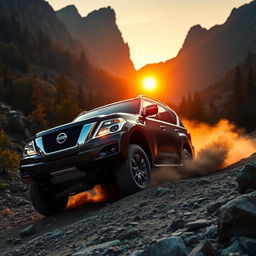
(117, 143)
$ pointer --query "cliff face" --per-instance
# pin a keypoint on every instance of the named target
(38, 15)
(207, 55)
(101, 37)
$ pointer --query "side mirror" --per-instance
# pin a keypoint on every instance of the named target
(150, 110)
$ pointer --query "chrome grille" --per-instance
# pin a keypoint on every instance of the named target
(75, 136)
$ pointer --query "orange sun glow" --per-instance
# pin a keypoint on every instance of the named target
(149, 83)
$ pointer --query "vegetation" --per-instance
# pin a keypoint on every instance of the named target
(239, 105)
(9, 159)
(32, 80)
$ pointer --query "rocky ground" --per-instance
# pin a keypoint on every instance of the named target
(197, 216)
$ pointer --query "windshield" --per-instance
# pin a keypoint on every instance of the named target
(130, 107)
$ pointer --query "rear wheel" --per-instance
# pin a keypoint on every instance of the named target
(43, 199)
(186, 155)
(135, 173)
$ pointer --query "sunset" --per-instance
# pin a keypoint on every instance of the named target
(149, 83)
(127, 128)
(156, 29)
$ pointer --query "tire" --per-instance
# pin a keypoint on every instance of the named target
(134, 174)
(43, 200)
(186, 155)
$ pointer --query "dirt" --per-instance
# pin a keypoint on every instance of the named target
(136, 221)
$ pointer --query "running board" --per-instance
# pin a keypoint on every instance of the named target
(168, 165)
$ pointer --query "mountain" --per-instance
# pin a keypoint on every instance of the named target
(38, 15)
(207, 55)
(101, 37)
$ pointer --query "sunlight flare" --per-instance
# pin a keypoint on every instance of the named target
(149, 83)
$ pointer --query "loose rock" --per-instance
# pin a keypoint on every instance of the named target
(247, 178)
(165, 247)
(205, 248)
(238, 217)
(193, 225)
(28, 231)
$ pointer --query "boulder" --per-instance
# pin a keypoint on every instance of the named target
(246, 178)
(238, 217)
(165, 247)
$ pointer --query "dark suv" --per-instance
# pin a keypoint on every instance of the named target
(118, 143)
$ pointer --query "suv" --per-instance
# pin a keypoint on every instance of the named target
(117, 143)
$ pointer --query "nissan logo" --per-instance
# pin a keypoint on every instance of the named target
(61, 138)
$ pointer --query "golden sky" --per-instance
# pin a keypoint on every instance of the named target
(155, 29)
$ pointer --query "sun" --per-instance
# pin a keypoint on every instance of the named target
(149, 83)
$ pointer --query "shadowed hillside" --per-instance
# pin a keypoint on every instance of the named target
(101, 37)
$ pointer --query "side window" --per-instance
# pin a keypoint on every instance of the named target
(166, 115)
(173, 117)
(146, 103)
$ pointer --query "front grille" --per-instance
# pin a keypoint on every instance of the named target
(51, 145)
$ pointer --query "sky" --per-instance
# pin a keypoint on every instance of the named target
(156, 29)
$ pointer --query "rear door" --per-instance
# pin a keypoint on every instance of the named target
(171, 145)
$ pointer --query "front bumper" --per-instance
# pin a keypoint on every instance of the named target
(97, 152)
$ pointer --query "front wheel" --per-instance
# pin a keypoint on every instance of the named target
(135, 173)
(43, 200)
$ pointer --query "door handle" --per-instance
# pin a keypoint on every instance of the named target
(162, 127)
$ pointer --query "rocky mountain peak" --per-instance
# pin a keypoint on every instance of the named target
(195, 35)
(39, 15)
(101, 37)
(107, 14)
(69, 12)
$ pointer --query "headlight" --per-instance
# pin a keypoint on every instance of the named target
(29, 149)
(109, 127)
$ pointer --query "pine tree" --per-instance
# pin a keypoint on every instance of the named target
(38, 119)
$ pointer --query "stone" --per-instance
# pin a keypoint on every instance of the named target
(165, 247)
(193, 225)
(246, 178)
(177, 224)
(238, 217)
(191, 240)
(205, 248)
(28, 231)
(248, 245)
(162, 191)
(129, 234)
(172, 211)
(211, 232)
(104, 247)
(215, 205)
(233, 249)
(136, 253)
(203, 181)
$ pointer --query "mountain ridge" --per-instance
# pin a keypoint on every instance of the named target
(101, 37)
(206, 55)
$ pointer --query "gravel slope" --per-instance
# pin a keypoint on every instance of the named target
(131, 223)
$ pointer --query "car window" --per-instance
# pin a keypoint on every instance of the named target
(166, 115)
(173, 118)
(130, 107)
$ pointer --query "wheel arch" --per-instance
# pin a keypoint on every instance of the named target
(137, 137)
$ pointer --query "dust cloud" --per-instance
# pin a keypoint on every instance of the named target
(216, 147)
